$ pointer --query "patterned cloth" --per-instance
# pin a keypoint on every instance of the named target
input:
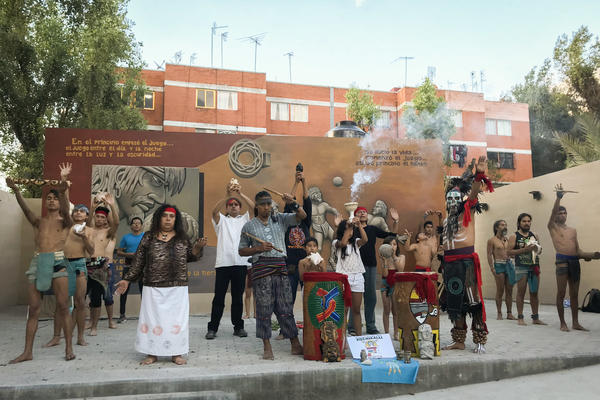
(273, 294)
(273, 232)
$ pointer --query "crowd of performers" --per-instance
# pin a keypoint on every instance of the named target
(268, 255)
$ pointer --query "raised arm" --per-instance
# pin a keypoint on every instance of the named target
(216, 210)
(300, 213)
(477, 184)
(407, 246)
(33, 219)
(113, 218)
(63, 197)
(395, 218)
(559, 195)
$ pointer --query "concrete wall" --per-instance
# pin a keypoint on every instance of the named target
(16, 247)
(583, 213)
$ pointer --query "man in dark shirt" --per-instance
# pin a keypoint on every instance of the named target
(369, 259)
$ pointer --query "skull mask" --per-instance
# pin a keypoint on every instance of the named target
(453, 200)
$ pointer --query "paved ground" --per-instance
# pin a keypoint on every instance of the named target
(576, 383)
(110, 356)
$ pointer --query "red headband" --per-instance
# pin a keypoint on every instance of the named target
(232, 200)
(170, 209)
(360, 209)
(102, 212)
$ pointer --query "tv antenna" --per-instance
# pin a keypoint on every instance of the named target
(223, 39)
(481, 79)
(449, 85)
(192, 58)
(405, 58)
(177, 57)
(213, 30)
(161, 65)
(256, 39)
(290, 54)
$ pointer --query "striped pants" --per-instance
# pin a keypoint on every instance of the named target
(273, 294)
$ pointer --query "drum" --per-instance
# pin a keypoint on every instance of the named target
(416, 303)
(326, 295)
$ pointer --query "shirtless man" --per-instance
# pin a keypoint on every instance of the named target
(502, 268)
(433, 234)
(523, 246)
(48, 267)
(461, 263)
(423, 250)
(568, 253)
(105, 223)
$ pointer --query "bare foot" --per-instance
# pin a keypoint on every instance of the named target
(69, 356)
(522, 322)
(149, 360)
(179, 360)
(268, 355)
(455, 346)
(578, 327)
(21, 358)
(499, 317)
(279, 337)
(246, 316)
(81, 342)
(297, 349)
(538, 322)
(112, 325)
(396, 338)
(88, 326)
(93, 332)
(510, 316)
(53, 342)
(563, 327)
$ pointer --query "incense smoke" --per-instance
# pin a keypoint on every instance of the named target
(361, 177)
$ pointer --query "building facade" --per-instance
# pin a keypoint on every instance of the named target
(212, 100)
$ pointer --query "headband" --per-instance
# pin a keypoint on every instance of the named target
(232, 200)
(170, 209)
(102, 212)
(360, 209)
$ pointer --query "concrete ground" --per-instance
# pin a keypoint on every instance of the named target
(231, 367)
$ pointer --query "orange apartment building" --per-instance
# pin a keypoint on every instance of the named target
(211, 100)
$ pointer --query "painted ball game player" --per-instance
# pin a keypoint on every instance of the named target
(461, 267)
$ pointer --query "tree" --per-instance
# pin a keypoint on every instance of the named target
(578, 59)
(429, 118)
(550, 110)
(361, 108)
(61, 64)
(582, 145)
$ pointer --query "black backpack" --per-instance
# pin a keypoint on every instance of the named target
(593, 301)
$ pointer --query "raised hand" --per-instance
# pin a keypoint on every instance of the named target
(11, 183)
(65, 170)
(394, 214)
(337, 220)
(407, 233)
(299, 176)
(288, 198)
(109, 198)
(481, 165)
(559, 190)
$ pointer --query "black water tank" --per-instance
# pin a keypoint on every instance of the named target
(346, 129)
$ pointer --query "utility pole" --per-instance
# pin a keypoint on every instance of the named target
(290, 54)
(405, 58)
(213, 30)
(223, 39)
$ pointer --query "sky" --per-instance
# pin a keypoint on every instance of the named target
(355, 42)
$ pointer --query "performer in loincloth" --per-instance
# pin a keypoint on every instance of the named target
(568, 253)
(389, 267)
(502, 267)
(263, 239)
(524, 247)
(424, 251)
(161, 259)
(48, 268)
(461, 267)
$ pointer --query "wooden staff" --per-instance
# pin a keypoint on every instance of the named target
(39, 182)
(566, 191)
(259, 240)
(273, 191)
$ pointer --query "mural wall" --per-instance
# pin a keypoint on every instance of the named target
(143, 169)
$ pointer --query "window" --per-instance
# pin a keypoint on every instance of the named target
(280, 112)
(384, 120)
(501, 127)
(457, 118)
(298, 113)
(502, 160)
(227, 100)
(205, 98)
(458, 154)
(149, 101)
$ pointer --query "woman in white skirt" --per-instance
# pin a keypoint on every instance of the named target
(161, 260)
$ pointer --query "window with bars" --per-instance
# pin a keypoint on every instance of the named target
(205, 98)
(502, 160)
(384, 121)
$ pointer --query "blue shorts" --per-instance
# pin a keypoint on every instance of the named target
(533, 280)
(385, 288)
(508, 268)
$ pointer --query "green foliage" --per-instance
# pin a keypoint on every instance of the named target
(361, 108)
(578, 59)
(426, 98)
(61, 64)
(583, 144)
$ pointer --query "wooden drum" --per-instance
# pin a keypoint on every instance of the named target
(416, 303)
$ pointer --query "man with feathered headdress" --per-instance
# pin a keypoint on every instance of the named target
(461, 267)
